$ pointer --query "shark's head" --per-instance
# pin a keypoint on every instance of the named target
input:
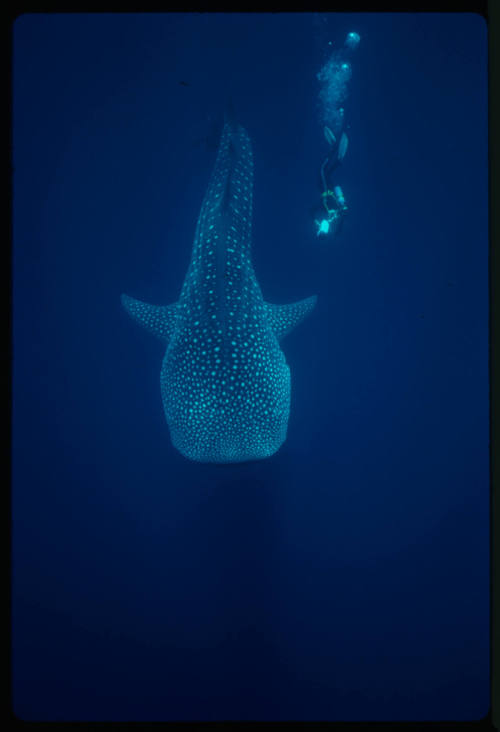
(227, 404)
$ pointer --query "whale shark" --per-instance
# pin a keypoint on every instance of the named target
(225, 382)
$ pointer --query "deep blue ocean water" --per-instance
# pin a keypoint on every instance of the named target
(347, 576)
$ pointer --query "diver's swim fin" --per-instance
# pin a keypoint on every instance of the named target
(329, 136)
(344, 141)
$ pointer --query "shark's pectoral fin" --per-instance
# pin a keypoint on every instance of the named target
(157, 319)
(284, 318)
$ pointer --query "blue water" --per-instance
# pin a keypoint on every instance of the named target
(347, 576)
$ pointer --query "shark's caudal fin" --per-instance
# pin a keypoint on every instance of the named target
(284, 318)
(157, 319)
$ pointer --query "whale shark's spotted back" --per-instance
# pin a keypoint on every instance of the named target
(225, 383)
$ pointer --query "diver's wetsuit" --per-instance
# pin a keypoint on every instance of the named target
(333, 207)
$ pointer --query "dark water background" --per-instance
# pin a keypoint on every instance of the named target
(346, 577)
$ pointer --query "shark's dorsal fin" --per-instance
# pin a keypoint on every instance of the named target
(157, 319)
(284, 318)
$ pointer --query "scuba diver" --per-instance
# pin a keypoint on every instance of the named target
(334, 77)
(333, 205)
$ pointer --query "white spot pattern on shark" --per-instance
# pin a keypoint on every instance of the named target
(225, 383)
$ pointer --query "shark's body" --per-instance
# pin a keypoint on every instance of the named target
(225, 382)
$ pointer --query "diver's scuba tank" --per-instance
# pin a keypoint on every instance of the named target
(339, 195)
